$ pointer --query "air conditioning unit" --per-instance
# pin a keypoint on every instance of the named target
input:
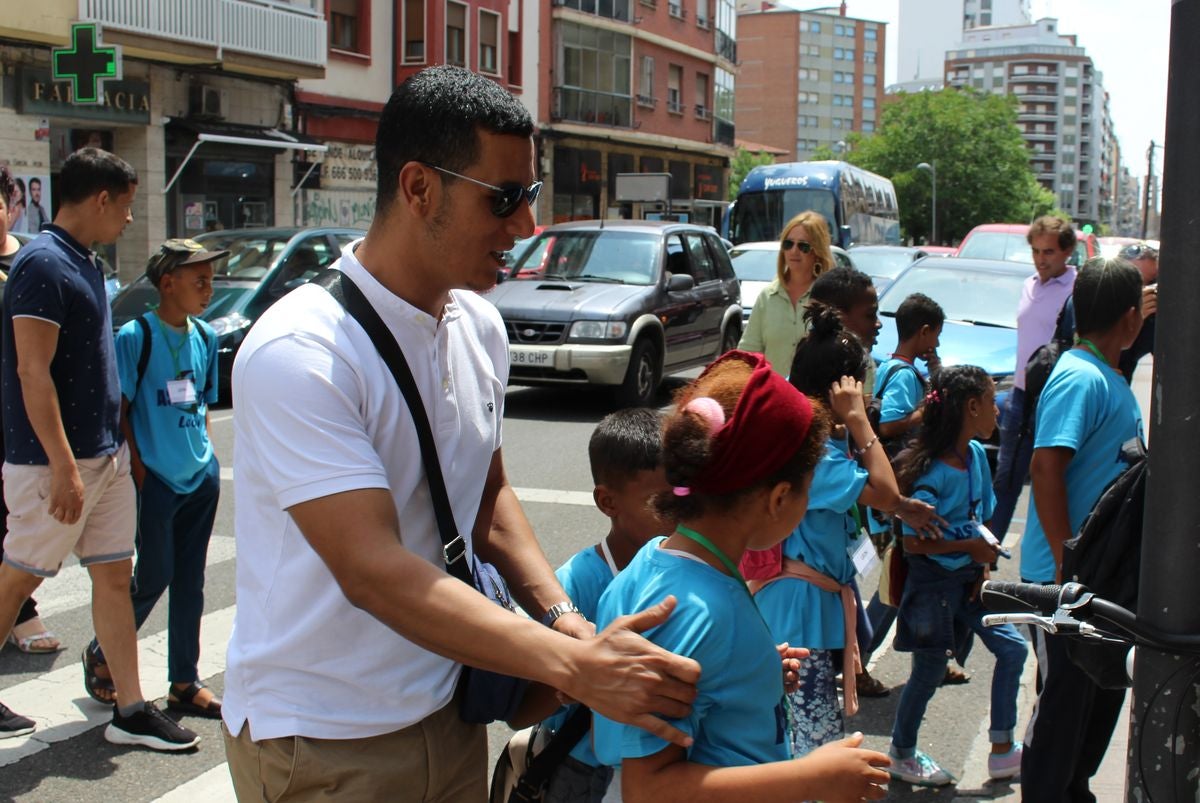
(207, 102)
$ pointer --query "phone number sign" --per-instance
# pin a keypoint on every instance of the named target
(349, 166)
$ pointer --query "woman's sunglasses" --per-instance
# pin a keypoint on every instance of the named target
(508, 196)
(805, 248)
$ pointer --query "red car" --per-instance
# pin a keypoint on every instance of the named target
(1007, 242)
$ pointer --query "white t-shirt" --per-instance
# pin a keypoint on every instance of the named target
(318, 413)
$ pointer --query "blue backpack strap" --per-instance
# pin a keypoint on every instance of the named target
(143, 357)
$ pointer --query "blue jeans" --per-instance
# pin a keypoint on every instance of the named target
(1012, 464)
(880, 617)
(172, 550)
(929, 668)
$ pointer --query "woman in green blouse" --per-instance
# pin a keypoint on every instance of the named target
(777, 321)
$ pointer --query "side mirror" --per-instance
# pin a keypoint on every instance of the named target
(847, 236)
(680, 282)
(501, 275)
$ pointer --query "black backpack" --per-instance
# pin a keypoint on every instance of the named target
(1106, 556)
(1041, 364)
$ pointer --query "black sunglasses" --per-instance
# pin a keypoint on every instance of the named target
(508, 196)
(1139, 251)
(805, 248)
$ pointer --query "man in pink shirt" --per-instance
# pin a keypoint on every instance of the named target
(1042, 297)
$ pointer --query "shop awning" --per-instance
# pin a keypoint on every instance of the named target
(232, 134)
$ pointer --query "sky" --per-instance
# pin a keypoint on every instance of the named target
(1127, 41)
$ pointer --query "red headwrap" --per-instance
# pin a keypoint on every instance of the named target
(768, 425)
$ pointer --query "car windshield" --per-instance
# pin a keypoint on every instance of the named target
(250, 255)
(754, 264)
(141, 295)
(881, 264)
(988, 298)
(602, 256)
(1008, 246)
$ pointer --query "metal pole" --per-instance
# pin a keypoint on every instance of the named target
(1165, 722)
(1149, 184)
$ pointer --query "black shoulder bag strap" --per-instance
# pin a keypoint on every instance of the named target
(143, 356)
(346, 293)
(532, 782)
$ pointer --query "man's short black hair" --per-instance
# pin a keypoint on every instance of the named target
(1105, 289)
(435, 116)
(34, 180)
(916, 311)
(623, 443)
(841, 288)
(91, 171)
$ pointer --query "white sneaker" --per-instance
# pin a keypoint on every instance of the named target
(919, 770)
(1002, 766)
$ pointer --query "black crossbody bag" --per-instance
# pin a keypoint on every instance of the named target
(484, 696)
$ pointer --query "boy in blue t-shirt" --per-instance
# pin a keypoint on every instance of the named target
(1085, 414)
(898, 386)
(167, 366)
(625, 452)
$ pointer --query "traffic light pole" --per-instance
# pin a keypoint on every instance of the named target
(1165, 719)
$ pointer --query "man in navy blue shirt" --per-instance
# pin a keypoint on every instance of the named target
(66, 468)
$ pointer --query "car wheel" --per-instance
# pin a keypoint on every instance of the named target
(730, 337)
(641, 377)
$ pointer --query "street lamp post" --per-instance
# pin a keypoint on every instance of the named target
(932, 168)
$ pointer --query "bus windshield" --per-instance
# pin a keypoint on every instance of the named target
(761, 216)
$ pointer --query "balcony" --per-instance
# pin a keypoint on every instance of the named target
(647, 101)
(272, 29)
(674, 106)
(589, 106)
(703, 112)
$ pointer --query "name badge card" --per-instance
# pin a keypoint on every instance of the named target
(181, 391)
(862, 552)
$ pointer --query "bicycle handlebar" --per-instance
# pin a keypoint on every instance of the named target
(1024, 597)
(1073, 603)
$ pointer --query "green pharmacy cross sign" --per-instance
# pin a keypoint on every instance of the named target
(86, 63)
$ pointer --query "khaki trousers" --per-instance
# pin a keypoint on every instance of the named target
(440, 759)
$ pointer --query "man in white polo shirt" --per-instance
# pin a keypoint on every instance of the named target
(349, 634)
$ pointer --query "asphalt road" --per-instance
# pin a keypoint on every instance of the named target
(545, 440)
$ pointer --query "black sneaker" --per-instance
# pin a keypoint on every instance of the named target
(13, 724)
(149, 727)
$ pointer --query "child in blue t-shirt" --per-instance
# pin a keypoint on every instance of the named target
(625, 453)
(811, 603)
(898, 385)
(739, 449)
(167, 366)
(1085, 414)
(948, 468)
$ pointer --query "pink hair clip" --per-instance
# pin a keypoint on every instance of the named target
(709, 409)
(681, 490)
(933, 397)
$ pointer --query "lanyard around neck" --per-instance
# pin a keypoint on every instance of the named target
(187, 324)
(1090, 346)
(608, 557)
(692, 535)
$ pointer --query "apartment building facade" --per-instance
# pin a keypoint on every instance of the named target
(1063, 108)
(203, 109)
(808, 78)
(634, 86)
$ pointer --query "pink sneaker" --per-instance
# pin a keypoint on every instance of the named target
(1003, 766)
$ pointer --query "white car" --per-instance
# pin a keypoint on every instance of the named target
(755, 265)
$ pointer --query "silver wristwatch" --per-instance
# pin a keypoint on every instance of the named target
(557, 610)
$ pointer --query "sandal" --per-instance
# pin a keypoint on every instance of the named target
(95, 685)
(184, 701)
(868, 686)
(36, 639)
(955, 676)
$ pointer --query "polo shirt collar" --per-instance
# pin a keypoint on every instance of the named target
(64, 237)
(1066, 277)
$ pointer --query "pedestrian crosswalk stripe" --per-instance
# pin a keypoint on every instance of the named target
(214, 786)
(58, 703)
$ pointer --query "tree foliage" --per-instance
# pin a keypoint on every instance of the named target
(743, 162)
(972, 139)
